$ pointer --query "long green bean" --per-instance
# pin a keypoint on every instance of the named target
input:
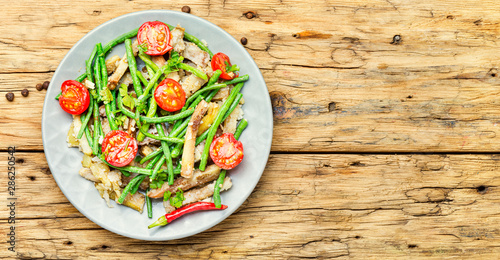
(149, 206)
(154, 120)
(104, 87)
(166, 153)
(88, 64)
(150, 155)
(239, 129)
(85, 119)
(95, 142)
(157, 167)
(218, 186)
(237, 80)
(233, 106)
(132, 66)
(161, 138)
(120, 39)
(147, 60)
(86, 131)
(203, 90)
(137, 184)
(141, 77)
(216, 123)
(151, 112)
(127, 188)
(195, 71)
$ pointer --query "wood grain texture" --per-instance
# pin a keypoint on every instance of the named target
(335, 80)
(358, 206)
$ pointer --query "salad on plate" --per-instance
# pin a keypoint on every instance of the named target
(161, 122)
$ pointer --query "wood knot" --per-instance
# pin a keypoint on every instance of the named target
(451, 17)
(481, 189)
(397, 39)
(250, 14)
(332, 106)
(32, 178)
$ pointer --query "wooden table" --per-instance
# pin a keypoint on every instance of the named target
(383, 147)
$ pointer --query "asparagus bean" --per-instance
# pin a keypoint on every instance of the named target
(132, 66)
(151, 155)
(166, 152)
(218, 185)
(195, 71)
(239, 129)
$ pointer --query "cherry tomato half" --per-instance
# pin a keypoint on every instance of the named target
(169, 95)
(226, 152)
(220, 61)
(119, 148)
(155, 36)
(75, 98)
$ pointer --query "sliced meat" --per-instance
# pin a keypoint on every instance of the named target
(105, 126)
(158, 60)
(201, 193)
(190, 139)
(196, 55)
(178, 39)
(135, 201)
(222, 94)
(232, 120)
(199, 178)
(198, 151)
(87, 174)
(191, 84)
(121, 68)
(174, 75)
(112, 64)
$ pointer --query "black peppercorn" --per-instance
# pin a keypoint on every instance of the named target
(186, 9)
(9, 96)
(39, 87)
(244, 41)
(46, 84)
(25, 92)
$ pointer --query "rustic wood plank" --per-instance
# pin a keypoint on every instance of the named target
(336, 81)
(359, 206)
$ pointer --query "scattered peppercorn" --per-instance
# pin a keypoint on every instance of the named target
(46, 84)
(396, 39)
(9, 96)
(25, 92)
(249, 14)
(244, 41)
(39, 87)
(186, 9)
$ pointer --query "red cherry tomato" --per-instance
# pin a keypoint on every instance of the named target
(119, 148)
(155, 36)
(75, 98)
(226, 152)
(219, 61)
(169, 95)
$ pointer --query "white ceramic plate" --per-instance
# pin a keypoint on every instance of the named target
(65, 162)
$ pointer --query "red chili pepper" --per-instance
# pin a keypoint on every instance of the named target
(197, 206)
